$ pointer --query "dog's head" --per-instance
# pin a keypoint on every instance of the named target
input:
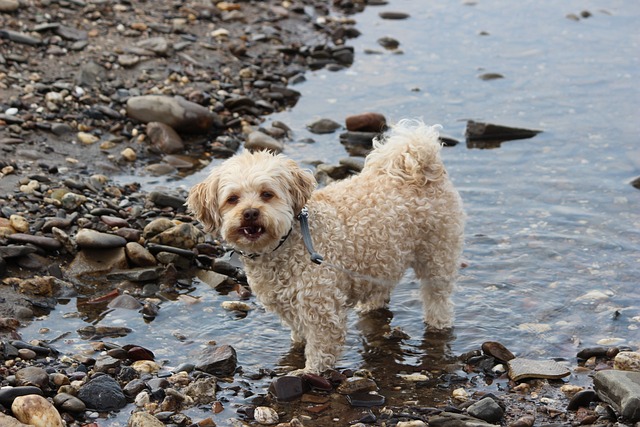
(252, 199)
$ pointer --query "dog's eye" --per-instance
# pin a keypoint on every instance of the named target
(232, 200)
(266, 195)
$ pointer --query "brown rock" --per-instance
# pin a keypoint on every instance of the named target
(164, 138)
(366, 122)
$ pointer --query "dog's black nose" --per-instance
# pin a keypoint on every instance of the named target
(250, 214)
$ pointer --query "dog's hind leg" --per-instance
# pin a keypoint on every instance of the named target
(437, 262)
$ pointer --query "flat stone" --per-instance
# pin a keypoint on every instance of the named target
(621, 389)
(40, 241)
(141, 274)
(287, 388)
(91, 239)
(520, 368)
(164, 199)
(497, 350)
(13, 251)
(450, 419)
(366, 400)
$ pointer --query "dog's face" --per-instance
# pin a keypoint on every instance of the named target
(252, 199)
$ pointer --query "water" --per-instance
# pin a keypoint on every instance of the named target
(553, 234)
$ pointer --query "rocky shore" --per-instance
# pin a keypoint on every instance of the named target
(93, 89)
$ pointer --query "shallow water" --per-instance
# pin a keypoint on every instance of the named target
(553, 234)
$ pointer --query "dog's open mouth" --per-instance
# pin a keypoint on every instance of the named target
(252, 232)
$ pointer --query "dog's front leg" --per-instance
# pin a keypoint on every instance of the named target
(323, 321)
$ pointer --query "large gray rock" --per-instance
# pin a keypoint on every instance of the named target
(621, 389)
(102, 393)
(486, 409)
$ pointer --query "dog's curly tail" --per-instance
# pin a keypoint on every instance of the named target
(409, 151)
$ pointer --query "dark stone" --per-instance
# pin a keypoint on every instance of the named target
(287, 388)
(166, 200)
(366, 400)
(486, 135)
(317, 382)
(102, 393)
(219, 361)
(486, 409)
(589, 352)
(497, 350)
(8, 394)
(581, 399)
(40, 241)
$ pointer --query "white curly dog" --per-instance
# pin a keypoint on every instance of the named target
(400, 212)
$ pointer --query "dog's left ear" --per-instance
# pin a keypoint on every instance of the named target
(301, 186)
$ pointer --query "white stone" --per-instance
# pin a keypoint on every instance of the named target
(37, 411)
(265, 415)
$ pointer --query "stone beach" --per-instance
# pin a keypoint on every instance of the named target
(93, 89)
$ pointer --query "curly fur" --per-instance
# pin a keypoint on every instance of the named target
(400, 212)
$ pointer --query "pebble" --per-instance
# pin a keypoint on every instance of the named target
(129, 154)
(627, 361)
(143, 419)
(19, 223)
(9, 5)
(393, 15)
(164, 138)
(366, 122)
(265, 415)
(258, 141)
(323, 126)
(139, 255)
(37, 411)
(40, 241)
(486, 409)
(87, 138)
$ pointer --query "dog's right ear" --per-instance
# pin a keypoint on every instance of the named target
(203, 202)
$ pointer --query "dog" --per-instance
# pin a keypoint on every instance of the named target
(401, 211)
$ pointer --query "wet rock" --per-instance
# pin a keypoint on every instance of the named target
(587, 353)
(32, 376)
(143, 419)
(167, 200)
(265, 415)
(106, 364)
(317, 382)
(486, 135)
(490, 76)
(43, 242)
(581, 399)
(621, 389)
(141, 274)
(236, 306)
(202, 390)
(366, 122)
(497, 350)
(353, 164)
(388, 43)
(164, 138)
(97, 262)
(218, 361)
(138, 255)
(287, 388)
(393, 15)
(520, 368)
(323, 126)
(356, 385)
(449, 419)
(366, 400)
(8, 394)
(36, 410)
(526, 421)
(486, 409)
(69, 403)
(636, 183)
(358, 143)
(13, 251)
(185, 236)
(258, 141)
(157, 226)
(98, 332)
(177, 112)
(102, 393)
(627, 361)
(91, 239)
